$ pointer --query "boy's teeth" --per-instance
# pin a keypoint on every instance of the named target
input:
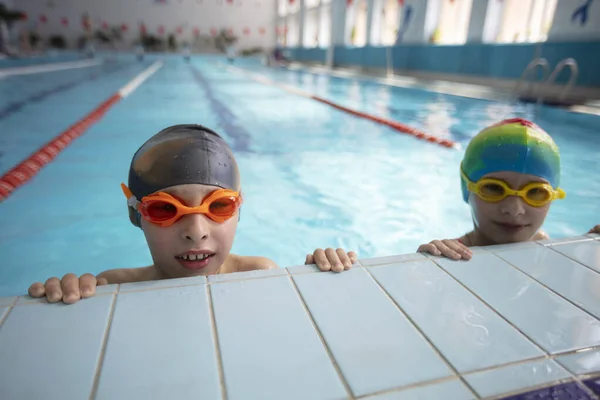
(194, 257)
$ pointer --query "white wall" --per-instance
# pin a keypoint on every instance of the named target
(564, 29)
(255, 15)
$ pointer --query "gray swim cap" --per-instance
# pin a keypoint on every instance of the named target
(179, 155)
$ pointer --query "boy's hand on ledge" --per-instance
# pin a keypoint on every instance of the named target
(70, 289)
(595, 229)
(331, 260)
(450, 248)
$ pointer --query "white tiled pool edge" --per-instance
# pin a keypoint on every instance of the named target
(564, 365)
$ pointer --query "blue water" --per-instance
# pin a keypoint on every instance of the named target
(47, 58)
(312, 176)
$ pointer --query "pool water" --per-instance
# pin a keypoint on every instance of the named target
(312, 176)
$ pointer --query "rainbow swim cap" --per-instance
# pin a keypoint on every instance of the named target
(515, 145)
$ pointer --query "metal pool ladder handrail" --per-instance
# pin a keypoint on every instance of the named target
(536, 62)
(549, 79)
(567, 62)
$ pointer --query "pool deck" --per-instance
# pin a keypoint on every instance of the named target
(516, 318)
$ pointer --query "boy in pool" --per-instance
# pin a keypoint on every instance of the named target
(184, 192)
(510, 175)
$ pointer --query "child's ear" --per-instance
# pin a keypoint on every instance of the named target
(240, 208)
(135, 217)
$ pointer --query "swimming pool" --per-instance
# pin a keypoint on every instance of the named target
(312, 176)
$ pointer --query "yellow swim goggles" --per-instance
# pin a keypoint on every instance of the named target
(536, 194)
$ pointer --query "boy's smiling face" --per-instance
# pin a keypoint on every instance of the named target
(512, 219)
(178, 250)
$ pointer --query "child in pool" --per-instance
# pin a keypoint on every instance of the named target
(184, 193)
(509, 177)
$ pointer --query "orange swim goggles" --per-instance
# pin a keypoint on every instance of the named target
(536, 194)
(164, 209)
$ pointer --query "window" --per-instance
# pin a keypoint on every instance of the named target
(453, 26)
(293, 6)
(325, 26)
(282, 7)
(311, 28)
(526, 20)
(390, 14)
(281, 34)
(292, 39)
(356, 23)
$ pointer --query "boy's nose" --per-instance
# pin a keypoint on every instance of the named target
(196, 227)
(512, 205)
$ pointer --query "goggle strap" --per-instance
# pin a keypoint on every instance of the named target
(132, 201)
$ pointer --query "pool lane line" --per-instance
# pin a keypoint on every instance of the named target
(398, 126)
(50, 67)
(30, 167)
(41, 95)
(227, 119)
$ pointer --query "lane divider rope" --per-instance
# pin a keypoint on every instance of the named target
(37, 69)
(31, 166)
(11, 108)
(398, 126)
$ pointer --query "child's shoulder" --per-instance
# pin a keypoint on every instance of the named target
(126, 275)
(236, 263)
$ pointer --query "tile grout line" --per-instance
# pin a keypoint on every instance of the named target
(533, 389)
(323, 341)
(549, 288)
(424, 336)
(410, 386)
(161, 287)
(552, 357)
(10, 308)
(577, 377)
(547, 354)
(493, 309)
(498, 366)
(100, 363)
(496, 248)
(584, 386)
(572, 259)
(395, 262)
(208, 283)
(243, 279)
(565, 240)
(218, 355)
(32, 301)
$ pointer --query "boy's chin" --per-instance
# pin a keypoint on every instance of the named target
(517, 237)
